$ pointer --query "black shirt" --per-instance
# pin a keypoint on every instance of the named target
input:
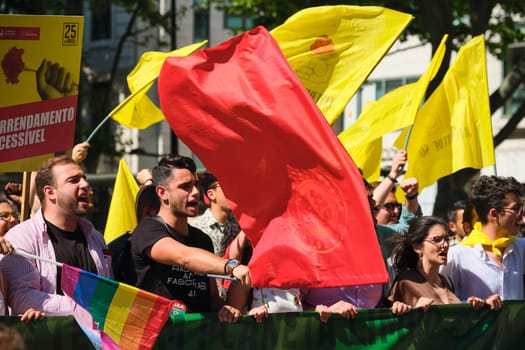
(121, 261)
(70, 248)
(172, 282)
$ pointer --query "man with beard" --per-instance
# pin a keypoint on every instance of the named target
(56, 232)
(172, 258)
(491, 260)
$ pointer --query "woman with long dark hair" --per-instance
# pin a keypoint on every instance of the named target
(418, 255)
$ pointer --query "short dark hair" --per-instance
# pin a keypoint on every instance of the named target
(452, 214)
(206, 181)
(489, 192)
(162, 170)
(146, 197)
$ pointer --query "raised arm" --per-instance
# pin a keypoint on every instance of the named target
(384, 188)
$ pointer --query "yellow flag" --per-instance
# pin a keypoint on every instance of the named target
(138, 111)
(333, 49)
(395, 110)
(453, 129)
(121, 215)
(367, 157)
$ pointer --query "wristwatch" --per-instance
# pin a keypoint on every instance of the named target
(230, 265)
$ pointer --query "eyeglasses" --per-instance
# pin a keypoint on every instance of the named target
(391, 206)
(517, 209)
(5, 215)
(436, 240)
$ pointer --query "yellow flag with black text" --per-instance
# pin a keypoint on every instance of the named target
(453, 129)
(395, 110)
(333, 49)
(121, 215)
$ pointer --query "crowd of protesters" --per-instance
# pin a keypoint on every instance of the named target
(472, 257)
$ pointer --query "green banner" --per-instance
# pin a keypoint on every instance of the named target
(444, 327)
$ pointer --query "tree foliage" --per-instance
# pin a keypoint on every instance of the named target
(460, 19)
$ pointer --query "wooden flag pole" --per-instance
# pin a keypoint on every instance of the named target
(25, 202)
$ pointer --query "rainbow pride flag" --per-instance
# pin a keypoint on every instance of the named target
(127, 317)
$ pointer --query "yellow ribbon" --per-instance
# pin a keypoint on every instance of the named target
(499, 245)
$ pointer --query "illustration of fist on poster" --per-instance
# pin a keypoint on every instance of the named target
(39, 77)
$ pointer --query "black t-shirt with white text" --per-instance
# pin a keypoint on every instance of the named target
(170, 281)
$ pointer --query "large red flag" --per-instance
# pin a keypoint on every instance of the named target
(297, 194)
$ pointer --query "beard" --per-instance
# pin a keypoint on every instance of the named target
(72, 207)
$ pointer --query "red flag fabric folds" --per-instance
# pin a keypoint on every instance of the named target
(297, 194)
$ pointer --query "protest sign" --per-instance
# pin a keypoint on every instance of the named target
(40, 60)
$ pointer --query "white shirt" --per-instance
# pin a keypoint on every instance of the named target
(473, 273)
(278, 300)
(210, 226)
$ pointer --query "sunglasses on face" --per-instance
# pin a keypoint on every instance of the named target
(391, 206)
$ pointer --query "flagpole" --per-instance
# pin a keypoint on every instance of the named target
(26, 192)
(405, 145)
(119, 106)
(59, 264)
(98, 127)
(36, 257)
(231, 278)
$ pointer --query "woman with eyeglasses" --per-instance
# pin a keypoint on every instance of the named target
(418, 256)
(8, 216)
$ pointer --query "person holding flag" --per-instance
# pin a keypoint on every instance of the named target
(171, 258)
(57, 232)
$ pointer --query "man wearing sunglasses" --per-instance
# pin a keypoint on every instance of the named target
(491, 260)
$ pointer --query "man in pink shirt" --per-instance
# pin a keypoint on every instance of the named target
(57, 232)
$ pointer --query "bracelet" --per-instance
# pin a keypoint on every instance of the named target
(150, 179)
(393, 179)
(414, 196)
(226, 265)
